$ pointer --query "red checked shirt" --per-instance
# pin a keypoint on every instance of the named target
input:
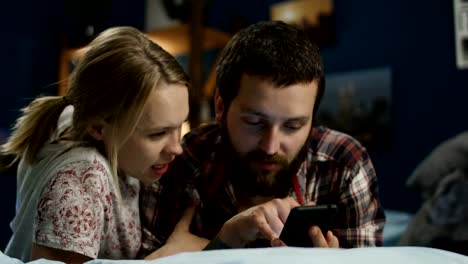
(337, 169)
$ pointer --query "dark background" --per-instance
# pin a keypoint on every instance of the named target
(414, 38)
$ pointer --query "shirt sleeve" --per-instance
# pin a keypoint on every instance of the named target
(149, 208)
(364, 214)
(70, 213)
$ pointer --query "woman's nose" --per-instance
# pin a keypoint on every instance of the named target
(174, 147)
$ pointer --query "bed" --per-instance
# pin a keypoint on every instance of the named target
(382, 255)
(396, 223)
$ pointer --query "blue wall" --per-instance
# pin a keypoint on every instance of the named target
(31, 35)
(414, 38)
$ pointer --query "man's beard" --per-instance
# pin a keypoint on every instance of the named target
(249, 180)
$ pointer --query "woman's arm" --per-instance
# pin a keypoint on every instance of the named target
(181, 240)
(49, 253)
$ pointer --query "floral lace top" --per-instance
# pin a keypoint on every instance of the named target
(80, 211)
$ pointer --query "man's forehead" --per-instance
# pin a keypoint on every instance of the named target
(291, 102)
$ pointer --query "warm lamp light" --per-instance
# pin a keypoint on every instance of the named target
(300, 11)
(185, 128)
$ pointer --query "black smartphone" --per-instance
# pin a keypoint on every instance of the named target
(301, 218)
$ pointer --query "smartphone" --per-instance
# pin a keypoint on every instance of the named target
(301, 218)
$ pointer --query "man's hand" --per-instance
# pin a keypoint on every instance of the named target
(262, 221)
(181, 240)
(318, 240)
(265, 221)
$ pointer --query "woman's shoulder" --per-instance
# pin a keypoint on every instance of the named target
(80, 168)
(63, 153)
(84, 160)
(84, 153)
(58, 158)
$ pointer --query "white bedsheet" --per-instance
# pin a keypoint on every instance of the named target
(382, 255)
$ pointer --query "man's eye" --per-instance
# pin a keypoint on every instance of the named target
(293, 126)
(252, 121)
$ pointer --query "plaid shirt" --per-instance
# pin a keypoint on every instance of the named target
(337, 169)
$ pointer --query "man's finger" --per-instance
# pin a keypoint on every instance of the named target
(291, 202)
(332, 240)
(276, 242)
(274, 221)
(266, 231)
(284, 206)
(318, 240)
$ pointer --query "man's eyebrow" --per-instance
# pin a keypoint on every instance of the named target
(249, 111)
(299, 119)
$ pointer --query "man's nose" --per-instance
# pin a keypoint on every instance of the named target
(270, 140)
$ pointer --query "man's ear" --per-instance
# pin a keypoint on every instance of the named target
(96, 130)
(219, 107)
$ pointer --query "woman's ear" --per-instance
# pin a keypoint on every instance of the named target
(96, 130)
(219, 107)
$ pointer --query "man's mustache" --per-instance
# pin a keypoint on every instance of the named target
(260, 156)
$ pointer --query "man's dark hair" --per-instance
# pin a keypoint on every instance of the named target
(272, 50)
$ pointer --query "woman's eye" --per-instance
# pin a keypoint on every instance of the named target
(157, 134)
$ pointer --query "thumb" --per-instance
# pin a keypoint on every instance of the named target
(309, 203)
(276, 242)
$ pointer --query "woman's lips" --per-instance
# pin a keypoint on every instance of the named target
(161, 169)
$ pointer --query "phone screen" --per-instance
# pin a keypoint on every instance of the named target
(301, 218)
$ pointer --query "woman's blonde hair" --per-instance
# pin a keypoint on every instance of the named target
(110, 83)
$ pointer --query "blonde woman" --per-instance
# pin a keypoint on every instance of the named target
(78, 188)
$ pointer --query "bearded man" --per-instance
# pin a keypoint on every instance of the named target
(264, 156)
